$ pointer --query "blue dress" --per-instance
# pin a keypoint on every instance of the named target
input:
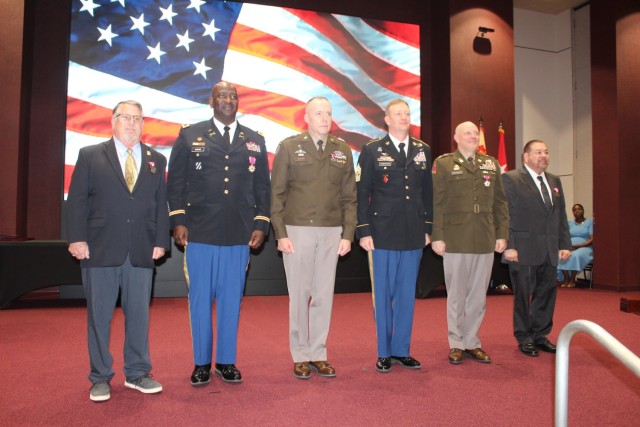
(582, 256)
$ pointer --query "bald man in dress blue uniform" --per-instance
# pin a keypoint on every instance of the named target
(219, 202)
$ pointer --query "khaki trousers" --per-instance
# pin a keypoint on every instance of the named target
(467, 279)
(311, 274)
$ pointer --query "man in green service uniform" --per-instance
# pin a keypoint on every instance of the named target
(470, 222)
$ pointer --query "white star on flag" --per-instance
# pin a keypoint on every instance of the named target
(156, 53)
(210, 29)
(184, 40)
(196, 4)
(88, 6)
(168, 14)
(139, 24)
(201, 68)
(106, 34)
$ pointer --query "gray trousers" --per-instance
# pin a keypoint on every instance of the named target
(101, 285)
(467, 279)
(311, 278)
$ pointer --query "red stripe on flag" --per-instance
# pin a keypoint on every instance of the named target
(286, 111)
(257, 43)
(385, 74)
(277, 108)
(87, 118)
(91, 119)
(404, 33)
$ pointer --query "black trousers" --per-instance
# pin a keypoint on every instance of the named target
(534, 290)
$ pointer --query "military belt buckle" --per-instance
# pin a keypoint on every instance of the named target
(476, 208)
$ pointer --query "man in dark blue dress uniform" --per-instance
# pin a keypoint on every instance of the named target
(219, 202)
(394, 222)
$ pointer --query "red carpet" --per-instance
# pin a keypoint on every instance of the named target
(44, 367)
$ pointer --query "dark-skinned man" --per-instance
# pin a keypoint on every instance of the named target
(219, 202)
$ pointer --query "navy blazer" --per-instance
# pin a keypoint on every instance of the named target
(114, 222)
(395, 201)
(534, 232)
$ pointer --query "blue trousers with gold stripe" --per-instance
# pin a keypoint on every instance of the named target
(393, 283)
(215, 273)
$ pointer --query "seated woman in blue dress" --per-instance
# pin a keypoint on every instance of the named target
(581, 230)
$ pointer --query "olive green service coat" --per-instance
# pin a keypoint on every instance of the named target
(313, 189)
(469, 204)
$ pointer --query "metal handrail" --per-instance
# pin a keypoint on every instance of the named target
(615, 347)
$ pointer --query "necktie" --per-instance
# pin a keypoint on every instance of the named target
(226, 137)
(470, 159)
(320, 149)
(403, 155)
(545, 194)
(130, 170)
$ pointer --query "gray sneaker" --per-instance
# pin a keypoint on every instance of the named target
(145, 384)
(100, 391)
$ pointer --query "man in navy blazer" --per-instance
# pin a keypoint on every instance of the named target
(538, 237)
(117, 232)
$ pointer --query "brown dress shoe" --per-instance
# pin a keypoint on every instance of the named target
(323, 368)
(455, 356)
(479, 355)
(301, 370)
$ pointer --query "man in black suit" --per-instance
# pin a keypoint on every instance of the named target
(395, 197)
(219, 198)
(117, 225)
(538, 237)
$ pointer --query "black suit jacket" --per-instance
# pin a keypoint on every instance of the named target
(221, 192)
(395, 201)
(534, 232)
(114, 222)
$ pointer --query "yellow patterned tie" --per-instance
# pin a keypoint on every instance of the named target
(130, 170)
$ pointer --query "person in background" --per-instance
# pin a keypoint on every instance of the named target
(219, 198)
(117, 225)
(394, 222)
(313, 212)
(470, 223)
(538, 238)
(581, 232)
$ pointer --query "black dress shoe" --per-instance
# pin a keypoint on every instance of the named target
(229, 373)
(547, 346)
(528, 349)
(201, 375)
(383, 364)
(407, 362)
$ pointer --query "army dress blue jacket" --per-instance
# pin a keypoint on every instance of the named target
(219, 191)
(394, 200)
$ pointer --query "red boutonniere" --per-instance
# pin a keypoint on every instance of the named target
(152, 167)
(556, 192)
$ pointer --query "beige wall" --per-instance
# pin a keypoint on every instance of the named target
(553, 95)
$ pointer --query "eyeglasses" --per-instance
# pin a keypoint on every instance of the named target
(129, 117)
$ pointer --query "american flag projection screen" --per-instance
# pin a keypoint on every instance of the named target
(168, 54)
